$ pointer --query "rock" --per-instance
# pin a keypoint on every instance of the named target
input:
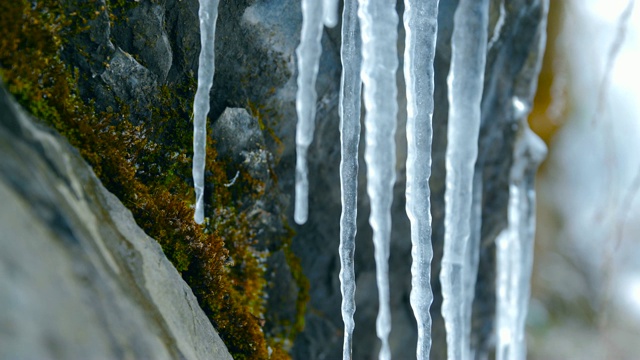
(130, 83)
(238, 137)
(142, 32)
(78, 278)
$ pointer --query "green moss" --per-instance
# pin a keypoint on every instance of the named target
(148, 169)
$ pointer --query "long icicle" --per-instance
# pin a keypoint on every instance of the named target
(378, 24)
(349, 106)
(421, 25)
(208, 14)
(308, 53)
(469, 46)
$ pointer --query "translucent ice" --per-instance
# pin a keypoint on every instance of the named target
(466, 77)
(379, 21)
(420, 23)
(208, 14)
(349, 103)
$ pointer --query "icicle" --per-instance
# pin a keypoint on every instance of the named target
(349, 105)
(378, 24)
(515, 248)
(499, 24)
(420, 23)
(308, 53)
(469, 46)
(470, 275)
(208, 15)
(515, 244)
(330, 12)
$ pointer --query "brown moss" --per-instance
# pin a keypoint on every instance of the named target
(147, 168)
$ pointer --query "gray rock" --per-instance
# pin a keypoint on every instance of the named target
(238, 138)
(130, 83)
(141, 31)
(78, 278)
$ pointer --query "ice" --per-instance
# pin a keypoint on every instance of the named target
(208, 15)
(499, 24)
(308, 53)
(466, 76)
(378, 24)
(330, 12)
(472, 257)
(515, 248)
(420, 23)
(349, 109)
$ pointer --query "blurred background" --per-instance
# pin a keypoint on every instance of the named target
(586, 284)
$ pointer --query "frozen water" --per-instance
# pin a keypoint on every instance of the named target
(208, 15)
(349, 106)
(308, 53)
(379, 21)
(420, 23)
(466, 76)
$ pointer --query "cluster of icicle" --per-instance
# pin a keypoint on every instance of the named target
(370, 60)
(369, 57)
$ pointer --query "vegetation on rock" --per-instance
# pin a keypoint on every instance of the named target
(148, 167)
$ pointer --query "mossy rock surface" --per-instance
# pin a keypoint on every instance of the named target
(117, 79)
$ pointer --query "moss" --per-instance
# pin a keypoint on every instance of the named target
(148, 169)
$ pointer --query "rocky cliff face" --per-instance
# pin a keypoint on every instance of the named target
(78, 278)
(129, 53)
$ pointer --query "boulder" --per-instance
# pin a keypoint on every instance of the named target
(78, 278)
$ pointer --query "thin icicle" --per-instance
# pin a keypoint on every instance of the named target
(515, 248)
(308, 53)
(378, 24)
(421, 24)
(330, 12)
(499, 24)
(208, 14)
(469, 47)
(349, 106)
(470, 274)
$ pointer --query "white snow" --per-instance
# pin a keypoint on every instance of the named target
(308, 53)
(420, 23)
(208, 14)
(349, 110)
(469, 47)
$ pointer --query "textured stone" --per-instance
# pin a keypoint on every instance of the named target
(78, 278)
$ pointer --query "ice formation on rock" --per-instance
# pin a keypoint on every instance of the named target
(420, 23)
(466, 77)
(208, 15)
(349, 110)
(377, 64)
(515, 248)
(330, 12)
(308, 53)
(379, 22)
